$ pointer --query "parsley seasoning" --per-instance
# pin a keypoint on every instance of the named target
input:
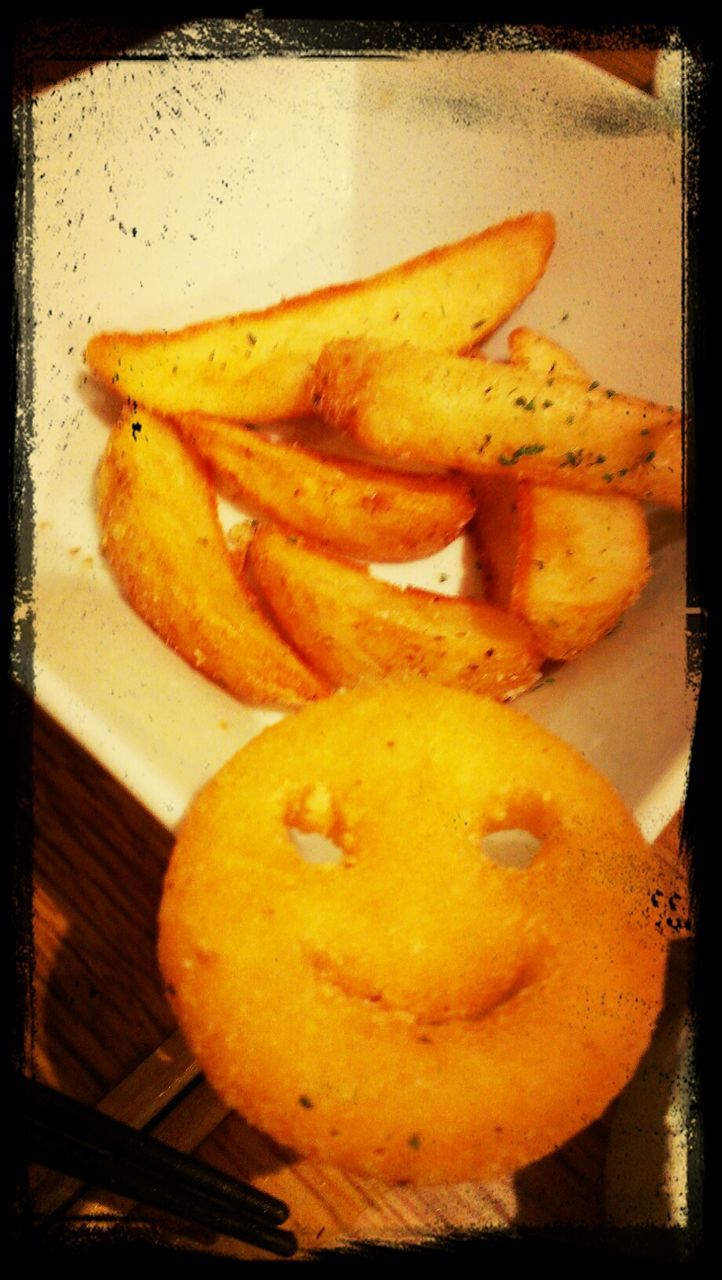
(484, 444)
(521, 401)
(305, 1101)
(523, 451)
(415, 1141)
(592, 386)
(570, 419)
(572, 458)
(251, 339)
(547, 404)
(609, 394)
(601, 457)
(649, 456)
(478, 323)
(644, 431)
(607, 477)
(530, 406)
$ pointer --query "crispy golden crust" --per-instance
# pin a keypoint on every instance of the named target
(418, 1011)
(162, 538)
(536, 351)
(353, 627)
(486, 416)
(566, 561)
(583, 559)
(258, 365)
(357, 510)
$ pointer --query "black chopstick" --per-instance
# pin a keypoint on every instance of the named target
(74, 1139)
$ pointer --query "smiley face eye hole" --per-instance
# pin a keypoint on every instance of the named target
(315, 848)
(510, 847)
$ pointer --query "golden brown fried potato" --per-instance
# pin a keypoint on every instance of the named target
(259, 364)
(354, 509)
(583, 559)
(162, 538)
(568, 562)
(536, 351)
(353, 627)
(486, 416)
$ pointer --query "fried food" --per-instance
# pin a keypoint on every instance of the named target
(536, 351)
(258, 365)
(352, 627)
(357, 510)
(418, 1011)
(484, 416)
(568, 562)
(580, 564)
(162, 539)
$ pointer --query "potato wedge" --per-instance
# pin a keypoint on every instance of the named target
(163, 541)
(581, 563)
(353, 627)
(488, 416)
(354, 509)
(568, 562)
(536, 351)
(258, 364)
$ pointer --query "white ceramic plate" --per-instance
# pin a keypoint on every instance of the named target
(169, 191)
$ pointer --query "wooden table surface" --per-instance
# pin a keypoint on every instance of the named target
(99, 1011)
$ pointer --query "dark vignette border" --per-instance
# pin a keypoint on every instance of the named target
(45, 52)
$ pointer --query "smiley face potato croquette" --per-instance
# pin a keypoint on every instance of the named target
(416, 1010)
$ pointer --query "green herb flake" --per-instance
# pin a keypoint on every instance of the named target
(305, 1101)
(601, 457)
(623, 471)
(644, 431)
(570, 419)
(484, 444)
(524, 450)
(415, 1141)
(552, 366)
(478, 323)
(291, 537)
(607, 477)
(572, 458)
(530, 406)
(609, 394)
(251, 339)
(565, 316)
(520, 400)
(592, 386)
(649, 456)
(539, 564)
(443, 577)
(547, 404)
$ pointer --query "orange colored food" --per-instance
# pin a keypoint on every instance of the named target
(161, 537)
(418, 1011)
